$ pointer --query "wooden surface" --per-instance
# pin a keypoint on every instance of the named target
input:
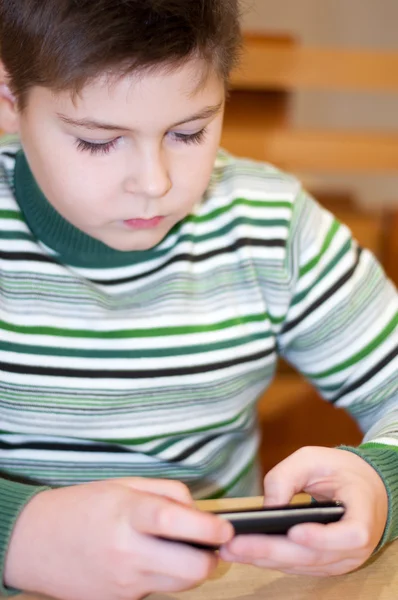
(378, 580)
(306, 150)
(232, 503)
(279, 63)
(331, 151)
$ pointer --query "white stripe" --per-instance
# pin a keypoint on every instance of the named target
(13, 225)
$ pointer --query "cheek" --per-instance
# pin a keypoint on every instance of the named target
(196, 171)
(69, 177)
(86, 183)
(194, 176)
(191, 185)
(202, 167)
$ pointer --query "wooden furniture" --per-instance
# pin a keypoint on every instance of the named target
(277, 61)
(257, 125)
(280, 65)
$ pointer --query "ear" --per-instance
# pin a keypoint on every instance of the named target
(9, 116)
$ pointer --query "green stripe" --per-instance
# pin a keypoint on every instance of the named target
(192, 430)
(176, 438)
(225, 230)
(271, 204)
(373, 345)
(325, 246)
(11, 214)
(223, 491)
(381, 446)
(133, 353)
(16, 235)
(327, 270)
(135, 333)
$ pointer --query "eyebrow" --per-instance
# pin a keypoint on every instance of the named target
(206, 113)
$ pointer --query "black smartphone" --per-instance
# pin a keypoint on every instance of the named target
(279, 519)
(276, 520)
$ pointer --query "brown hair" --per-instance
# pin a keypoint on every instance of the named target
(62, 44)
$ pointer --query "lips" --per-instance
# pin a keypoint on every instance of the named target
(144, 223)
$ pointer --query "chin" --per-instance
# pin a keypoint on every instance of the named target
(136, 246)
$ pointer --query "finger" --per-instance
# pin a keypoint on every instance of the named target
(175, 560)
(290, 476)
(333, 569)
(162, 487)
(276, 548)
(348, 535)
(323, 570)
(161, 583)
(351, 533)
(158, 516)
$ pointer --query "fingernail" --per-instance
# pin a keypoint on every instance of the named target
(227, 533)
(234, 558)
(226, 556)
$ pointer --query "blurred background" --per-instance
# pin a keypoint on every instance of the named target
(317, 95)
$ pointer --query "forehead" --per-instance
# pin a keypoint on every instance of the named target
(153, 96)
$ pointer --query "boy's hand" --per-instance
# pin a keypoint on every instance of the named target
(95, 541)
(314, 549)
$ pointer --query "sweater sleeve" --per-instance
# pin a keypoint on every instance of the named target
(340, 331)
(13, 498)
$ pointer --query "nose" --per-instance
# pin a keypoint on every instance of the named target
(149, 176)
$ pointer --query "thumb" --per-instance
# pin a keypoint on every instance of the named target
(289, 477)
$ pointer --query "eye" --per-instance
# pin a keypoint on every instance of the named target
(96, 148)
(190, 138)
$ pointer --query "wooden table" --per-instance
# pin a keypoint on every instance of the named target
(378, 580)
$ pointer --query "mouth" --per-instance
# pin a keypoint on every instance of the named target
(144, 223)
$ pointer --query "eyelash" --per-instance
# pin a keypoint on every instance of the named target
(84, 146)
(191, 138)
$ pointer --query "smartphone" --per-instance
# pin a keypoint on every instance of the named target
(279, 519)
(276, 520)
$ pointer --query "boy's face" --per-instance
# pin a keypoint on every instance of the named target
(124, 162)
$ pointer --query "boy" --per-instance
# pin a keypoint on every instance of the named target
(148, 284)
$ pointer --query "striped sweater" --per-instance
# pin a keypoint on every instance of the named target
(150, 363)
